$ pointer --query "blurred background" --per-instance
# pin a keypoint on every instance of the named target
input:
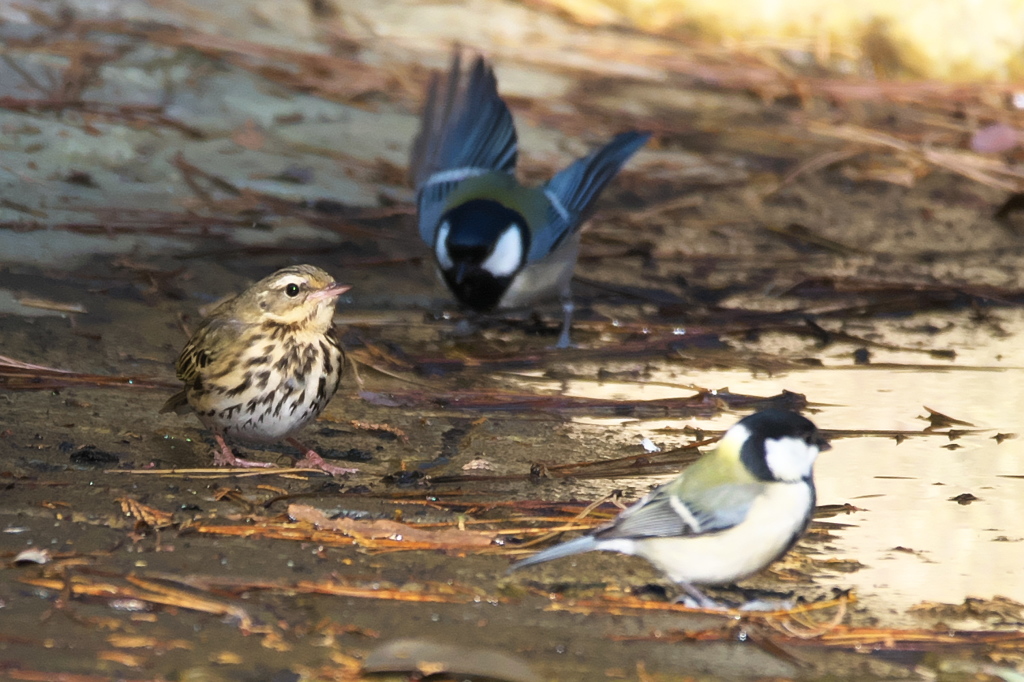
(826, 218)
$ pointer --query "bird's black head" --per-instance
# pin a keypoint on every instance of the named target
(780, 445)
(480, 247)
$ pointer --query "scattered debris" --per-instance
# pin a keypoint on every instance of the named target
(371, 533)
(144, 516)
(937, 420)
(33, 555)
(648, 445)
(92, 457)
(430, 658)
(16, 375)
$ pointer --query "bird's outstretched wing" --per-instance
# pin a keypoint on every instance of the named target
(573, 191)
(466, 130)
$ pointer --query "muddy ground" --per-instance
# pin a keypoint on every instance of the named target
(788, 237)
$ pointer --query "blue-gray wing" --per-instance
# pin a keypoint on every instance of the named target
(572, 192)
(465, 130)
(664, 514)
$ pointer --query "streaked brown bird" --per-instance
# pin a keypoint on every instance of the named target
(264, 364)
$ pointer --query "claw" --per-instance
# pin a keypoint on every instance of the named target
(564, 341)
(224, 457)
(311, 459)
(695, 597)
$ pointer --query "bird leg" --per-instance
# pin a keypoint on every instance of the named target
(568, 307)
(702, 600)
(224, 457)
(311, 459)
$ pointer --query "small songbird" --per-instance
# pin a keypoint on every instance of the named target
(264, 364)
(729, 515)
(497, 244)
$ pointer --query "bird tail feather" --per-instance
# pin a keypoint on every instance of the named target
(578, 546)
(177, 403)
(578, 186)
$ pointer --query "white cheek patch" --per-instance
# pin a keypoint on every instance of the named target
(441, 247)
(733, 439)
(506, 254)
(790, 459)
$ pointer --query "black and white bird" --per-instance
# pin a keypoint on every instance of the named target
(498, 244)
(729, 515)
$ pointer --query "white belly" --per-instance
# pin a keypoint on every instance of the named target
(546, 279)
(278, 400)
(279, 413)
(733, 554)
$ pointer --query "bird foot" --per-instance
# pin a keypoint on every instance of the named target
(311, 459)
(752, 606)
(768, 605)
(705, 604)
(465, 327)
(564, 340)
(224, 457)
(564, 343)
(695, 599)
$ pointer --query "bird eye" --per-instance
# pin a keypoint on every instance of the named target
(292, 290)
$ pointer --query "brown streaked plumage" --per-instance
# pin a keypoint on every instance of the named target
(264, 364)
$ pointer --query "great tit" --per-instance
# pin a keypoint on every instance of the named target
(497, 244)
(729, 515)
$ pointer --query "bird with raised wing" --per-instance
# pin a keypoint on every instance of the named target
(497, 244)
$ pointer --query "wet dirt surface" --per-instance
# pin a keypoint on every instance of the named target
(763, 250)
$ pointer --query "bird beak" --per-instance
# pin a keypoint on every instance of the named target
(332, 290)
(461, 270)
